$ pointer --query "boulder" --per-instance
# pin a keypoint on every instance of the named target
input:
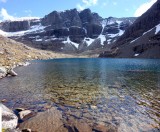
(12, 73)
(3, 72)
(9, 119)
(50, 121)
(74, 125)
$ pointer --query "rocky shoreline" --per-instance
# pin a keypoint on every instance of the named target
(51, 120)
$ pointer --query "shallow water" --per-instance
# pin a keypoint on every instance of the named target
(122, 92)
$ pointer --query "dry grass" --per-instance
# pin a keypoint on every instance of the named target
(13, 53)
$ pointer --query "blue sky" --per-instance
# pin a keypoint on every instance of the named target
(38, 8)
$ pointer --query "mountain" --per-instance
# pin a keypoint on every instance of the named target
(141, 39)
(70, 31)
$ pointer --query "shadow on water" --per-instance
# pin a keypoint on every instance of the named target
(121, 92)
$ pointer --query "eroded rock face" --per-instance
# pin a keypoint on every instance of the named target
(76, 34)
(93, 30)
(111, 29)
(140, 40)
(62, 19)
(88, 17)
(15, 26)
(144, 23)
(50, 32)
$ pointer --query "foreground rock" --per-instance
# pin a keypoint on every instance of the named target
(50, 121)
(12, 73)
(3, 72)
(9, 119)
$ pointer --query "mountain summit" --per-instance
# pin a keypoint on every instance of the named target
(69, 31)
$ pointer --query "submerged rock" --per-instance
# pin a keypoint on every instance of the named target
(50, 121)
(9, 119)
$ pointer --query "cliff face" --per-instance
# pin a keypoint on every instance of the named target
(15, 26)
(69, 31)
(142, 38)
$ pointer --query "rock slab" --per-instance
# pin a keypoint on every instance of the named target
(50, 121)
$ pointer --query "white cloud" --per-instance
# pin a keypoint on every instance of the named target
(144, 7)
(79, 7)
(86, 3)
(5, 16)
(4, 1)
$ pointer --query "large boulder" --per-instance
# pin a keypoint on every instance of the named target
(9, 119)
(50, 121)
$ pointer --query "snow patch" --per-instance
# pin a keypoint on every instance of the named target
(36, 28)
(103, 39)
(119, 22)
(23, 19)
(70, 42)
(38, 40)
(134, 40)
(89, 41)
(121, 32)
(157, 29)
(136, 54)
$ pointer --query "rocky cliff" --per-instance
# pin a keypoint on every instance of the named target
(69, 31)
(141, 39)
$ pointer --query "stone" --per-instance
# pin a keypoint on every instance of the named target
(93, 107)
(12, 73)
(103, 128)
(26, 114)
(3, 100)
(50, 121)
(9, 119)
(77, 125)
(3, 72)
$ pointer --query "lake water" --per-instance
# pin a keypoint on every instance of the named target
(124, 93)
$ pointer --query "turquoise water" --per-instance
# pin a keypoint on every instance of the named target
(121, 92)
